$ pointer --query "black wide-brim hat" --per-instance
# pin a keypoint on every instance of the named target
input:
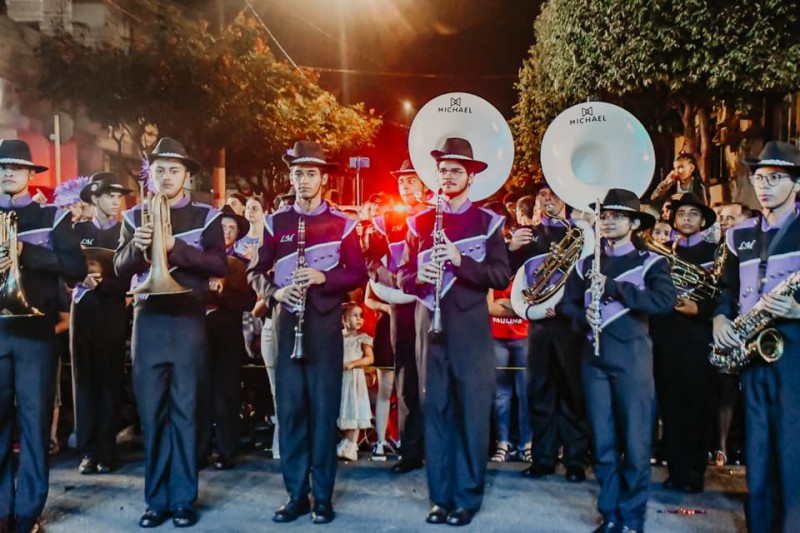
(405, 169)
(459, 150)
(308, 153)
(242, 223)
(691, 199)
(168, 148)
(17, 152)
(103, 182)
(627, 202)
(777, 154)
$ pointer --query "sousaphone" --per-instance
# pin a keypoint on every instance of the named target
(587, 150)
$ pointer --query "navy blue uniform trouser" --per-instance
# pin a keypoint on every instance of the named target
(309, 393)
(620, 397)
(169, 361)
(27, 374)
(555, 396)
(772, 422)
(458, 390)
(407, 383)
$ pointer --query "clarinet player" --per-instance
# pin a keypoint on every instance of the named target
(308, 389)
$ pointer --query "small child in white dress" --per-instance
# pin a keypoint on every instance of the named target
(355, 412)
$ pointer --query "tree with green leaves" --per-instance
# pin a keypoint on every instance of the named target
(212, 90)
(660, 58)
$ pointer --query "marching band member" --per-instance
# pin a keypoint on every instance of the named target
(168, 340)
(457, 368)
(308, 390)
(99, 329)
(384, 250)
(47, 249)
(555, 396)
(618, 384)
(762, 253)
(683, 374)
(228, 298)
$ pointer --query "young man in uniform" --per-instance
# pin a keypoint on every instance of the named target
(308, 389)
(47, 250)
(457, 365)
(618, 384)
(168, 341)
(762, 253)
(384, 251)
(99, 327)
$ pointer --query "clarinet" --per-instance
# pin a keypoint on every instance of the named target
(596, 294)
(298, 352)
(435, 330)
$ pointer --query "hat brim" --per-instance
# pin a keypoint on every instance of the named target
(191, 165)
(709, 215)
(646, 220)
(753, 164)
(472, 165)
(87, 192)
(24, 163)
(291, 160)
(406, 172)
(242, 224)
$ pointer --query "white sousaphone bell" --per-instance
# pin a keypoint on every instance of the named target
(588, 149)
(469, 117)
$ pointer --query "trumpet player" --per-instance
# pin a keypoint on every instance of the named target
(308, 299)
(168, 340)
(99, 324)
(683, 375)
(47, 249)
(632, 285)
(762, 253)
(458, 248)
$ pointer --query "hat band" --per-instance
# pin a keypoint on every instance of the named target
(171, 154)
(13, 161)
(615, 207)
(775, 163)
(315, 160)
(456, 156)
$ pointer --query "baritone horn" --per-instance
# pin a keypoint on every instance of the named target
(155, 211)
(13, 302)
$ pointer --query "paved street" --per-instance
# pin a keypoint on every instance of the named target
(370, 499)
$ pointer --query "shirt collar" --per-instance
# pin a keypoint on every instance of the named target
(765, 226)
(108, 225)
(461, 209)
(616, 251)
(317, 210)
(691, 240)
(183, 202)
(20, 201)
(549, 221)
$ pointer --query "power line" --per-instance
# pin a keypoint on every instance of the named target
(275, 40)
(414, 74)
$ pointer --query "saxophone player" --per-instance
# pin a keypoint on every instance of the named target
(308, 389)
(683, 374)
(168, 340)
(47, 249)
(555, 396)
(762, 253)
(457, 368)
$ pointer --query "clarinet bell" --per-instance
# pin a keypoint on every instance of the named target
(435, 329)
(298, 353)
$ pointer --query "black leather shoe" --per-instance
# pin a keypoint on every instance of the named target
(536, 471)
(606, 527)
(460, 517)
(152, 518)
(104, 468)
(404, 466)
(87, 466)
(322, 513)
(575, 474)
(292, 510)
(437, 515)
(223, 464)
(184, 517)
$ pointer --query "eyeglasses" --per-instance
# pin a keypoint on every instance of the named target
(455, 172)
(614, 217)
(770, 179)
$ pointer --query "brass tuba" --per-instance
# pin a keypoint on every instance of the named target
(159, 281)
(13, 302)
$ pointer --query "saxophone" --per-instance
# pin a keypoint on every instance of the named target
(758, 339)
(435, 329)
(692, 281)
(299, 352)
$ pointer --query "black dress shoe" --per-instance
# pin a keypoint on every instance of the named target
(87, 466)
(292, 510)
(575, 474)
(403, 466)
(606, 527)
(104, 468)
(223, 464)
(322, 513)
(437, 515)
(184, 517)
(152, 518)
(536, 471)
(460, 517)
